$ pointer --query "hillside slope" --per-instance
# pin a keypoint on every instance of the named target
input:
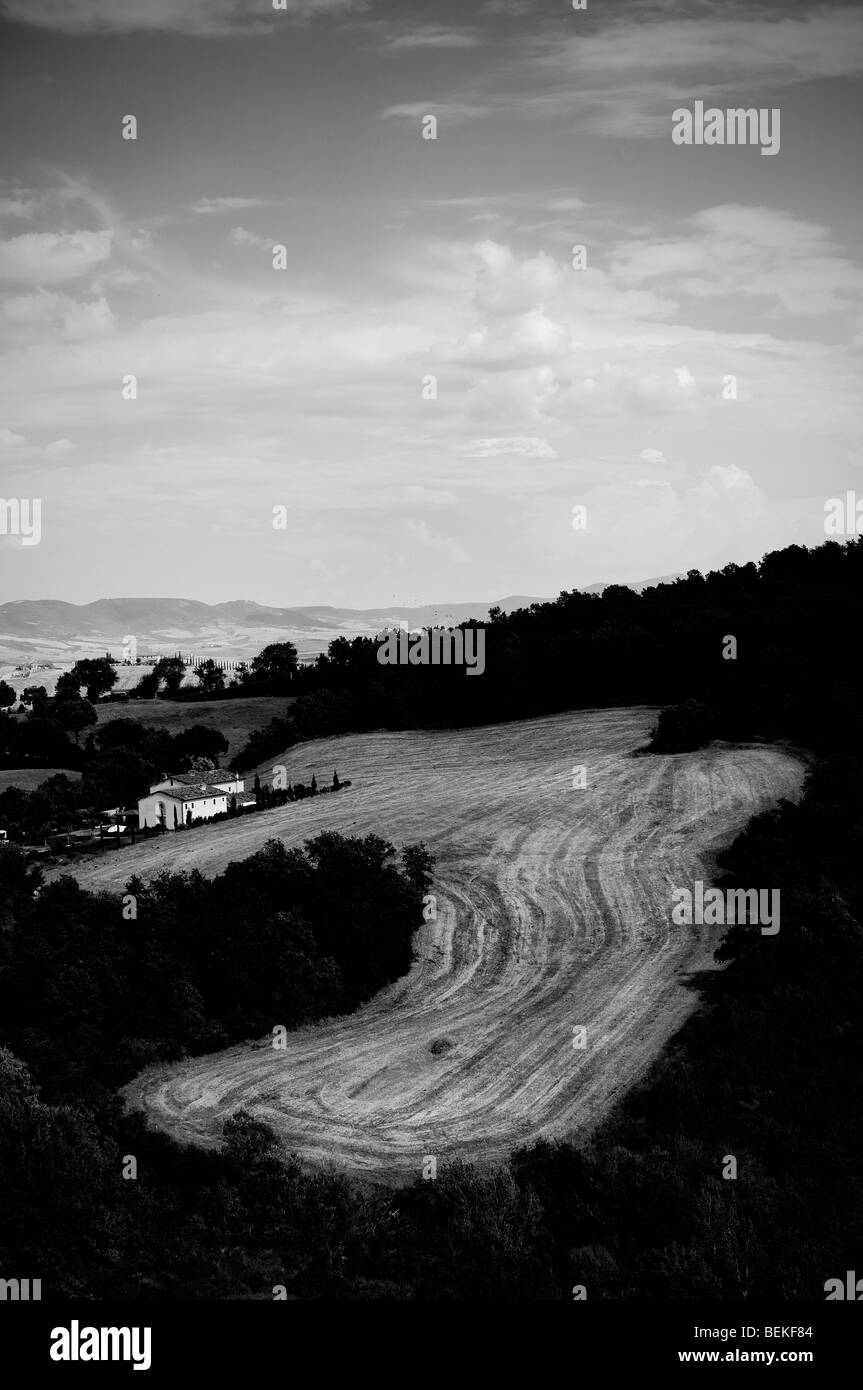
(553, 912)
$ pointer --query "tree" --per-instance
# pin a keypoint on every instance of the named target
(97, 675)
(210, 677)
(200, 741)
(34, 694)
(68, 686)
(7, 695)
(74, 715)
(336, 782)
(171, 670)
(277, 663)
(314, 786)
(148, 686)
(201, 766)
(681, 728)
(121, 733)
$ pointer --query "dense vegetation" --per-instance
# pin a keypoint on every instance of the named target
(793, 617)
(118, 763)
(185, 964)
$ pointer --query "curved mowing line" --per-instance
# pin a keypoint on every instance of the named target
(554, 911)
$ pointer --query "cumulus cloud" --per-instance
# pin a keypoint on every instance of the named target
(652, 456)
(10, 440)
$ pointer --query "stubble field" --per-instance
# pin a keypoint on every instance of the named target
(553, 913)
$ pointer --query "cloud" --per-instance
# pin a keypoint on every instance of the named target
(430, 497)
(450, 549)
(453, 111)
(754, 252)
(10, 440)
(49, 257)
(431, 36)
(241, 237)
(59, 449)
(652, 456)
(210, 205)
(510, 8)
(18, 203)
(524, 446)
(200, 18)
(625, 78)
(31, 313)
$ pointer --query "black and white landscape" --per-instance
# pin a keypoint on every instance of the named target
(431, 570)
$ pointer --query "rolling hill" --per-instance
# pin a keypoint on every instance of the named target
(553, 912)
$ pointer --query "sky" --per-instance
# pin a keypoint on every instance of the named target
(433, 380)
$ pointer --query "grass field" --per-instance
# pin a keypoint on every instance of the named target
(28, 778)
(553, 913)
(236, 719)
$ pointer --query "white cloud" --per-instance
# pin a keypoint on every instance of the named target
(432, 36)
(241, 237)
(447, 547)
(204, 18)
(10, 440)
(430, 497)
(749, 251)
(49, 257)
(452, 111)
(17, 203)
(524, 446)
(59, 449)
(32, 313)
(625, 79)
(228, 204)
(652, 456)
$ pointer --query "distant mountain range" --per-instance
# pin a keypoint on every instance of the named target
(49, 629)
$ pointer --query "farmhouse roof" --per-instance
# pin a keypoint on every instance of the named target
(193, 779)
(196, 793)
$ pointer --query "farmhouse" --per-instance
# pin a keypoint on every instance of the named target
(219, 777)
(187, 796)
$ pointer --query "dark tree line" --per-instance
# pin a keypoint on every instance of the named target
(118, 763)
(793, 617)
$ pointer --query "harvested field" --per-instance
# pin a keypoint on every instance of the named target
(553, 914)
(235, 719)
(27, 779)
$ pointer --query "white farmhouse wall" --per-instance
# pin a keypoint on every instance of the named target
(158, 809)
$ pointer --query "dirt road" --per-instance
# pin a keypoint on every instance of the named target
(553, 914)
